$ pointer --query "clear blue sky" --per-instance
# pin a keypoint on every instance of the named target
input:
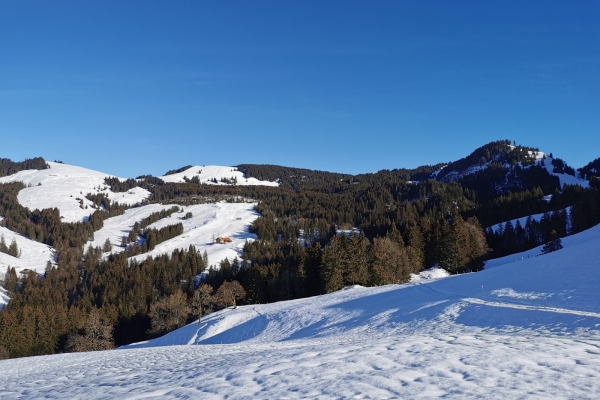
(136, 87)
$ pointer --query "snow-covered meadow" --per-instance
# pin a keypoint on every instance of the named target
(208, 221)
(526, 329)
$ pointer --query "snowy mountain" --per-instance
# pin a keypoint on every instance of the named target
(513, 160)
(527, 328)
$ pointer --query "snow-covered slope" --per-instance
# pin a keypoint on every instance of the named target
(207, 173)
(565, 179)
(3, 297)
(62, 186)
(208, 222)
(34, 255)
(523, 220)
(522, 330)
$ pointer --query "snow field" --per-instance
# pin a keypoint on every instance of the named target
(416, 366)
(3, 297)
(34, 255)
(521, 330)
(208, 222)
(207, 173)
(61, 187)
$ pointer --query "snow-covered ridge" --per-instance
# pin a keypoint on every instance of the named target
(207, 174)
(65, 187)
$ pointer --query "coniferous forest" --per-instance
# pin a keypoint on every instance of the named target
(317, 233)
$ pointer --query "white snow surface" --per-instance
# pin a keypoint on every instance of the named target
(209, 220)
(61, 187)
(206, 173)
(34, 255)
(522, 330)
(3, 297)
(565, 179)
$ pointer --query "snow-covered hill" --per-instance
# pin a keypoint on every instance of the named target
(65, 186)
(34, 255)
(208, 221)
(207, 174)
(527, 329)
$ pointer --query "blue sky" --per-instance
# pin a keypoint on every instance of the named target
(137, 87)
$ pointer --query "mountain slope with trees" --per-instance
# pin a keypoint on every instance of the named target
(402, 222)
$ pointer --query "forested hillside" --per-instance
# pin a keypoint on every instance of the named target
(318, 232)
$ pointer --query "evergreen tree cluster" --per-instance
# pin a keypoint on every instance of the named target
(155, 236)
(56, 312)
(11, 250)
(592, 169)
(499, 152)
(144, 181)
(560, 167)
(512, 238)
(8, 167)
(178, 170)
(157, 216)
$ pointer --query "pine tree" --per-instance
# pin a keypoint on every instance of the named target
(333, 266)
(453, 246)
(107, 246)
(357, 270)
(415, 248)
(553, 244)
(10, 280)
(3, 246)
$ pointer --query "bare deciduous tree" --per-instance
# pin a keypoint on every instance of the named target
(169, 313)
(229, 293)
(202, 302)
(95, 334)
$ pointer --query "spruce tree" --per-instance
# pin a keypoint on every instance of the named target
(332, 265)
(357, 270)
(453, 246)
(11, 280)
(554, 243)
(3, 246)
(107, 246)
